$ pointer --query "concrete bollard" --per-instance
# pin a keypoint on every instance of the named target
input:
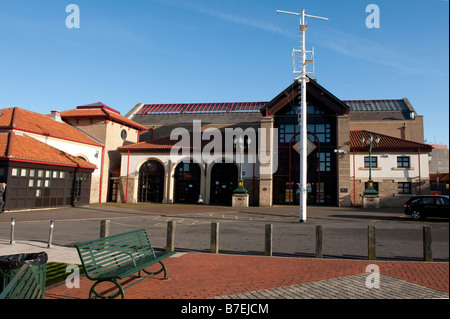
(104, 228)
(170, 246)
(268, 240)
(427, 244)
(319, 241)
(371, 242)
(214, 249)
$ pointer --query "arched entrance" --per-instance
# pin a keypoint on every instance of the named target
(187, 181)
(151, 182)
(224, 180)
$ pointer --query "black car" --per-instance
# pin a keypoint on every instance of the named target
(420, 207)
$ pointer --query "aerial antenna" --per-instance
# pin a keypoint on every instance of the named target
(302, 79)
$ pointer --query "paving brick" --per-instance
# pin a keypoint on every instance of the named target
(200, 276)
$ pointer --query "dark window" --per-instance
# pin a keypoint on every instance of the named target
(322, 131)
(325, 162)
(287, 131)
(367, 160)
(403, 161)
(404, 188)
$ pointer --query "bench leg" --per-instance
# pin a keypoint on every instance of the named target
(93, 292)
(163, 268)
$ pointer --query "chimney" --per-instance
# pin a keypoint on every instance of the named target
(56, 115)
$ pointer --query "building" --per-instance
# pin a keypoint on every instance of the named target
(44, 161)
(150, 172)
(399, 168)
(439, 159)
(111, 130)
(65, 158)
(176, 153)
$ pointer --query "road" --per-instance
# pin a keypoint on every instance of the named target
(240, 231)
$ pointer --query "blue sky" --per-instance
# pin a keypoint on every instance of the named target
(172, 51)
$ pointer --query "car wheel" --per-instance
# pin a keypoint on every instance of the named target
(416, 215)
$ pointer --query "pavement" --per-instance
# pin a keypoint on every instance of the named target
(225, 276)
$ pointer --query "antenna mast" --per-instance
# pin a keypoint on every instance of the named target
(302, 79)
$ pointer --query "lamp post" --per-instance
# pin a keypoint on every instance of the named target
(239, 142)
(370, 143)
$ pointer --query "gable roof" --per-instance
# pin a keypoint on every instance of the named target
(16, 118)
(313, 89)
(386, 142)
(23, 148)
(102, 111)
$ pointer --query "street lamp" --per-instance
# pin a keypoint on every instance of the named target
(239, 141)
(370, 143)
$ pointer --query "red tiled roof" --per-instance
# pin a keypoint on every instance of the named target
(100, 110)
(23, 120)
(24, 148)
(443, 177)
(386, 142)
(161, 144)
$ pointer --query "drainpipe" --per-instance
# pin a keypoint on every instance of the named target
(420, 182)
(101, 175)
(128, 175)
(354, 180)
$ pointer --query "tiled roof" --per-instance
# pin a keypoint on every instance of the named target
(378, 105)
(201, 108)
(23, 148)
(100, 110)
(23, 120)
(443, 177)
(162, 144)
(386, 142)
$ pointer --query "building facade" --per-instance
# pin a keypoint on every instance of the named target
(149, 167)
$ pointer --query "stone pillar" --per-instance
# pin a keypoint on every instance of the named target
(266, 153)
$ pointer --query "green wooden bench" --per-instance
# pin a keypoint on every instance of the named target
(112, 258)
(24, 285)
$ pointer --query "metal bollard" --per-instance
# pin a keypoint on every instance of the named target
(268, 240)
(50, 235)
(214, 249)
(13, 224)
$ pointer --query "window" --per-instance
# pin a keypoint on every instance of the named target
(403, 161)
(31, 183)
(23, 172)
(322, 131)
(325, 162)
(404, 188)
(367, 160)
(15, 172)
(38, 192)
(55, 174)
(287, 131)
